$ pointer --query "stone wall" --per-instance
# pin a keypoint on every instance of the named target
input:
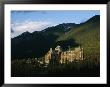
(63, 57)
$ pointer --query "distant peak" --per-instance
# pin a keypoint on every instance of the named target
(96, 16)
(94, 19)
(25, 33)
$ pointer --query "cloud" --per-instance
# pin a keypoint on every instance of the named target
(29, 26)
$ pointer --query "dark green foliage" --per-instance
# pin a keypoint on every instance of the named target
(87, 35)
(65, 43)
(37, 44)
(87, 67)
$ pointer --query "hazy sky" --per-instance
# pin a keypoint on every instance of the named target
(31, 21)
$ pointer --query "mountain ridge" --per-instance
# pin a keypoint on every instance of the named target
(36, 44)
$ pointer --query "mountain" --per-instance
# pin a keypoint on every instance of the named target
(36, 44)
(87, 35)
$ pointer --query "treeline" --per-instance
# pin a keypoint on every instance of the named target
(33, 68)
